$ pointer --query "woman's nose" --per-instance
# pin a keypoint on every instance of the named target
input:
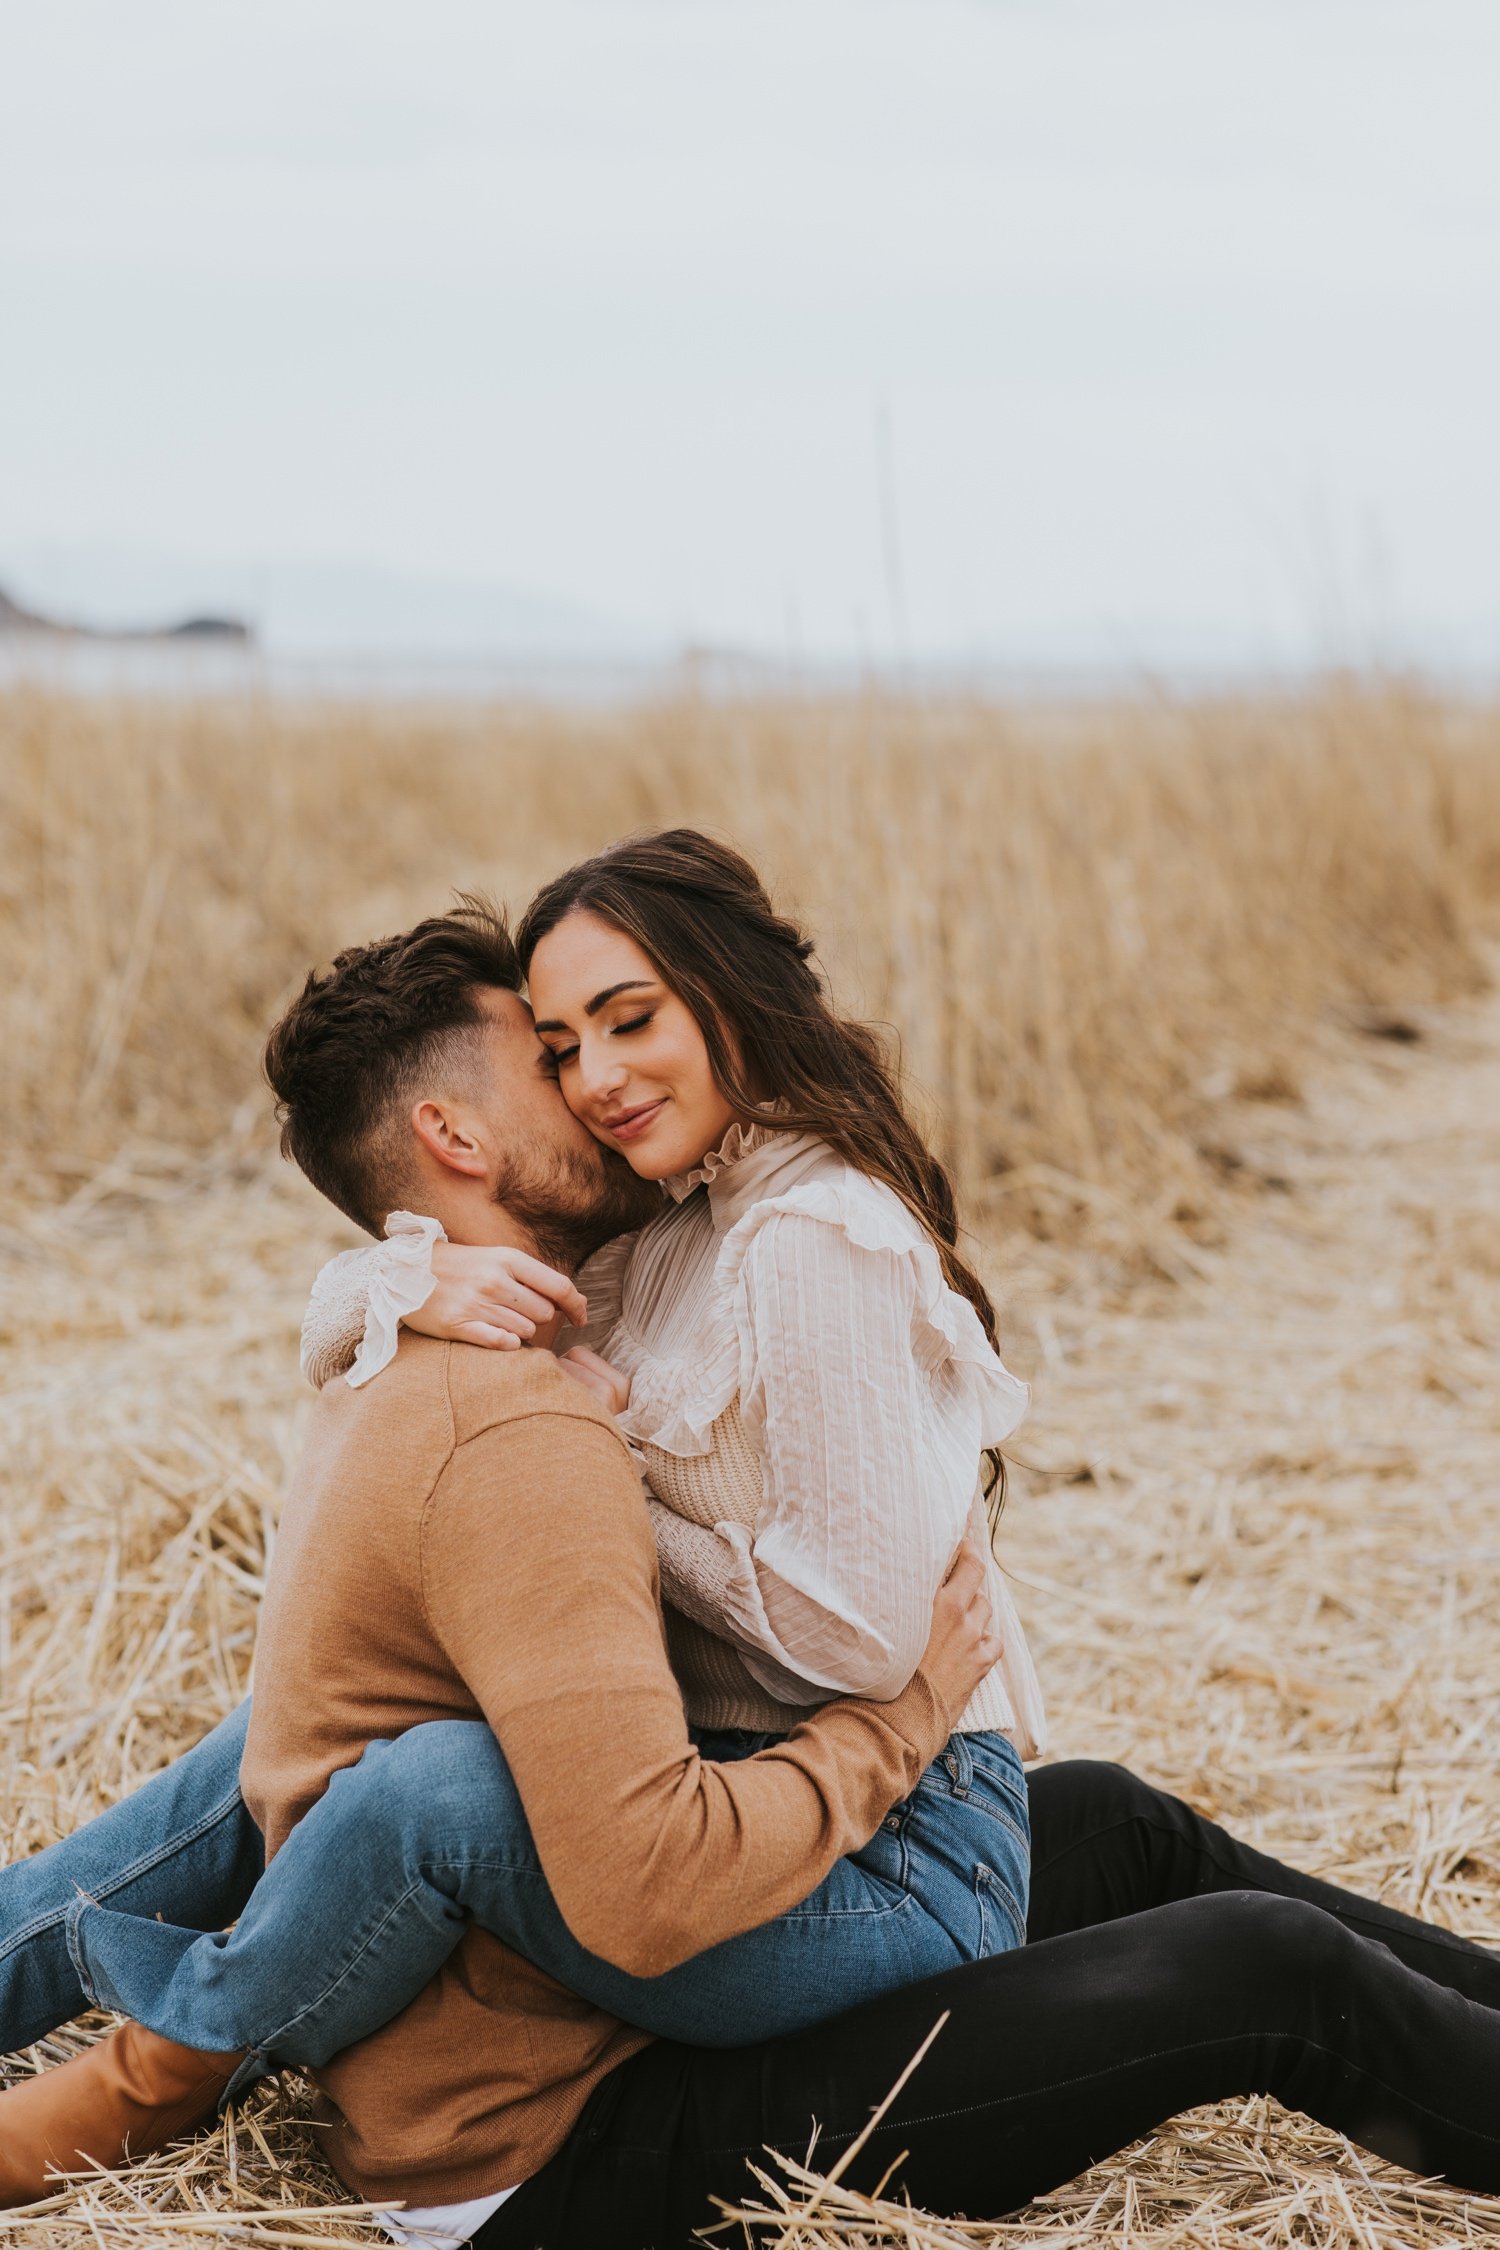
(601, 1073)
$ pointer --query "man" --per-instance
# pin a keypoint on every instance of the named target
(467, 1539)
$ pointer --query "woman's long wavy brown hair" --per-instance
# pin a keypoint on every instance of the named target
(779, 1052)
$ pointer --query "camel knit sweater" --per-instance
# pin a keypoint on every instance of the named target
(467, 1538)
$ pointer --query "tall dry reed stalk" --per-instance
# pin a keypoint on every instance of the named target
(1091, 927)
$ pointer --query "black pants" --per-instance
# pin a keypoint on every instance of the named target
(1166, 1965)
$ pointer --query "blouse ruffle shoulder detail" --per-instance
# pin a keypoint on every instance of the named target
(759, 1177)
(676, 1398)
(947, 1339)
(674, 1406)
(400, 1279)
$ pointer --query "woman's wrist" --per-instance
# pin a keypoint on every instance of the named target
(401, 1280)
(923, 1714)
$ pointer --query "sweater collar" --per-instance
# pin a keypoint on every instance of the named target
(751, 1163)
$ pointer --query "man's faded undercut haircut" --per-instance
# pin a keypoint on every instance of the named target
(388, 1022)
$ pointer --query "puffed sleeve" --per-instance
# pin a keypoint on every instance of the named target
(869, 1403)
(353, 1320)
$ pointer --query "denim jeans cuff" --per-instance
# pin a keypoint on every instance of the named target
(78, 1952)
(254, 2067)
(102, 1994)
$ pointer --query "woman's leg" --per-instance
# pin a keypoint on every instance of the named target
(943, 1881)
(1050, 2058)
(183, 1847)
(1105, 1843)
(376, 1884)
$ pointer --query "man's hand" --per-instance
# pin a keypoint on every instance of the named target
(495, 1297)
(609, 1386)
(963, 1645)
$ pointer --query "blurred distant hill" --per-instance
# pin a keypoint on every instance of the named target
(330, 608)
(14, 618)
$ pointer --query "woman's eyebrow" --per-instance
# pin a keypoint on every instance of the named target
(592, 1007)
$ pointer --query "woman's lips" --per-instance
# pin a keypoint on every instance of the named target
(632, 1122)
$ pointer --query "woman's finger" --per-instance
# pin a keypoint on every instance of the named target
(559, 1290)
(587, 1358)
(965, 1574)
(485, 1332)
(505, 1295)
(590, 1381)
(606, 1382)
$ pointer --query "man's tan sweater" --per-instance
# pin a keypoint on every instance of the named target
(467, 1538)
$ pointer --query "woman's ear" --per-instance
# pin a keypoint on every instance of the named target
(446, 1133)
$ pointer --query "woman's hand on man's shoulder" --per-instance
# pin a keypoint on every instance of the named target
(605, 1383)
(498, 1297)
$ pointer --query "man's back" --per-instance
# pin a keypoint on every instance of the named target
(347, 1650)
(349, 1653)
(345, 1653)
(467, 1539)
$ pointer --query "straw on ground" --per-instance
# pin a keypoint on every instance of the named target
(1253, 1528)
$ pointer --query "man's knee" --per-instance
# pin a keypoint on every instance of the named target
(1083, 1794)
(1284, 1945)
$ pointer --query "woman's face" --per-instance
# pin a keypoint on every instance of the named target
(630, 1058)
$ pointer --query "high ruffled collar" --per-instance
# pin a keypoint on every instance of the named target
(750, 1163)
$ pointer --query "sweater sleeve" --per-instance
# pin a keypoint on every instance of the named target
(695, 1564)
(539, 1580)
(703, 1570)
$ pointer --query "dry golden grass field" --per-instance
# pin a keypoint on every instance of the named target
(1200, 998)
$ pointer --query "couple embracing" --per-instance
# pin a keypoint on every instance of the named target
(633, 1777)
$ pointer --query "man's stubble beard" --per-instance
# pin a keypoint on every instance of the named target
(572, 1202)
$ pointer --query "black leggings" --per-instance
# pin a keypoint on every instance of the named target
(1166, 1965)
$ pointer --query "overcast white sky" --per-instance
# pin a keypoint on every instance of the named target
(1183, 317)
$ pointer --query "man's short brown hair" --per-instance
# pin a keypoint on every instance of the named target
(360, 1043)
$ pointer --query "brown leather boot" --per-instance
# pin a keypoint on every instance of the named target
(130, 2094)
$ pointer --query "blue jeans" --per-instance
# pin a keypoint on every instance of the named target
(183, 1847)
(377, 1883)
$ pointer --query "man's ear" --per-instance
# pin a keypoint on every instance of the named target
(445, 1134)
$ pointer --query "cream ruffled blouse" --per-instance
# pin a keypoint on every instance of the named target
(809, 1400)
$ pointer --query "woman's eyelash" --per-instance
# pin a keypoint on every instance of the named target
(557, 1056)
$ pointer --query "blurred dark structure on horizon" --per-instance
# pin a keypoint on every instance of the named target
(16, 619)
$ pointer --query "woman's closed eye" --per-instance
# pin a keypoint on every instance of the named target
(558, 1057)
